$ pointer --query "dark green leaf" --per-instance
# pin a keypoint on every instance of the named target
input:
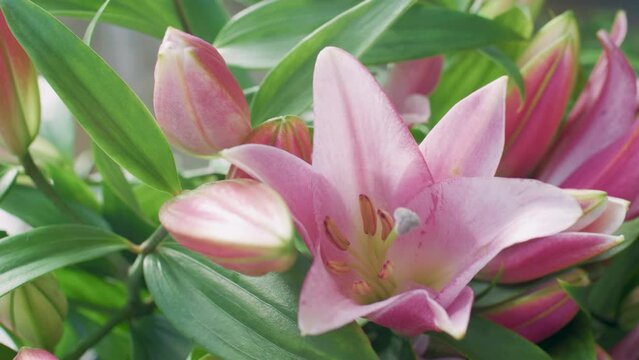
(486, 340)
(151, 201)
(26, 256)
(426, 30)
(148, 16)
(578, 293)
(114, 179)
(124, 221)
(71, 187)
(234, 316)
(154, 338)
(88, 290)
(202, 18)
(287, 87)
(573, 342)
(509, 67)
(104, 105)
(6, 352)
(261, 35)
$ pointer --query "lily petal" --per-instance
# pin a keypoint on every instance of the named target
(540, 257)
(414, 77)
(361, 144)
(290, 176)
(604, 112)
(611, 219)
(469, 140)
(478, 218)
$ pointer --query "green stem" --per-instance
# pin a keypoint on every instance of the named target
(31, 169)
(134, 306)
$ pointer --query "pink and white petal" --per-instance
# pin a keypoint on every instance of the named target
(619, 28)
(417, 311)
(361, 144)
(611, 219)
(292, 177)
(468, 221)
(604, 112)
(413, 77)
(469, 139)
(536, 258)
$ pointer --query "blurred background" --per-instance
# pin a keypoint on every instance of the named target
(136, 64)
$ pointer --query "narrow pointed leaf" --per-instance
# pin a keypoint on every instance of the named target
(26, 256)
(110, 112)
(233, 316)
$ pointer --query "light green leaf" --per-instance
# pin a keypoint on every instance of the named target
(234, 316)
(261, 35)
(103, 104)
(71, 187)
(426, 30)
(148, 16)
(287, 87)
(202, 18)
(26, 256)
(486, 340)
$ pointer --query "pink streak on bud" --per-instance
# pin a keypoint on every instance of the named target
(19, 95)
(240, 224)
(541, 312)
(198, 104)
(26, 353)
(288, 133)
(549, 67)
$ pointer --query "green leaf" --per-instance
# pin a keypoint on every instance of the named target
(6, 352)
(573, 342)
(261, 35)
(154, 338)
(26, 256)
(426, 30)
(241, 317)
(511, 69)
(486, 340)
(287, 87)
(151, 201)
(202, 18)
(71, 187)
(110, 112)
(7, 179)
(148, 16)
(89, 290)
(113, 177)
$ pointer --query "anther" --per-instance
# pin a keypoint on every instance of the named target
(361, 287)
(338, 267)
(387, 223)
(368, 214)
(334, 235)
(386, 271)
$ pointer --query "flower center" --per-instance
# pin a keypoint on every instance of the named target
(366, 257)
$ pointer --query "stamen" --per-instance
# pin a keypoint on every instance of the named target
(361, 287)
(338, 267)
(406, 220)
(386, 271)
(387, 223)
(334, 235)
(368, 214)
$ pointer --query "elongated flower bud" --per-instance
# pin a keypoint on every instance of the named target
(240, 224)
(35, 312)
(541, 312)
(26, 353)
(288, 133)
(19, 96)
(549, 66)
(198, 104)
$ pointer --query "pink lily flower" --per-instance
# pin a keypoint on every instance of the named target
(409, 84)
(392, 240)
(628, 347)
(27, 353)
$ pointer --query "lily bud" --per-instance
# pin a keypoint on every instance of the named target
(409, 84)
(198, 104)
(35, 312)
(628, 347)
(288, 133)
(240, 224)
(540, 312)
(26, 353)
(19, 96)
(549, 66)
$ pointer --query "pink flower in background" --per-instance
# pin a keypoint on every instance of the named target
(26, 353)
(392, 240)
(198, 103)
(409, 84)
(628, 347)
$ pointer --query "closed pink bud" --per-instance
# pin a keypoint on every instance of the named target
(19, 96)
(26, 353)
(549, 66)
(628, 347)
(540, 312)
(198, 104)
(288, 133)
(240, 224)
